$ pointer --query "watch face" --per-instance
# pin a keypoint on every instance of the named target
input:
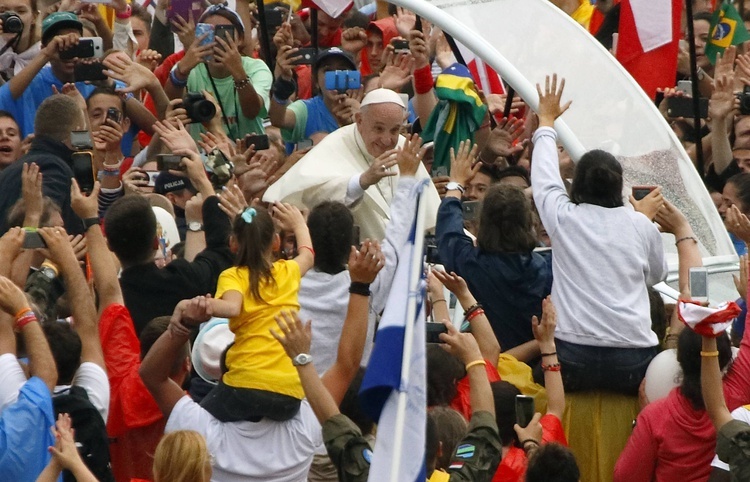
(48, 272)
(195, 226)
(302, 359)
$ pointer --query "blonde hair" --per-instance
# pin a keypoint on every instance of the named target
(182, 456)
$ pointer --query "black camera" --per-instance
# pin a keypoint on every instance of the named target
(744, 101)
(198, 108)
(12, 23)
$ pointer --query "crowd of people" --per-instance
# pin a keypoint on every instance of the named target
(202, 213)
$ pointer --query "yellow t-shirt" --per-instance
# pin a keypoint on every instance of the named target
(257, 360)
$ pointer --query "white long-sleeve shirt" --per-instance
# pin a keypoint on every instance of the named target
(603, 259)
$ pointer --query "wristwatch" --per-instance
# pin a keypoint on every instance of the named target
(48, 271)
(88, 222)
(195, 226)
(301, 359)
(454, 186)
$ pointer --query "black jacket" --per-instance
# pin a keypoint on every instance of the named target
(150, 292)
(54, 161)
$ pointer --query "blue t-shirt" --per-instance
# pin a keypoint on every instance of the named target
(311, 116)
(24, 108)
(25, 433)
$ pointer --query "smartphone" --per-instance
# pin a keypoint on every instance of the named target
(307, 55)
(224, 32)
(260, 142)
(433, 332)
(152, 175)
(685, 86)
(202, 29)
(81, 140)
(304, 144)
(431, 249)
(639, 192)
(32, 239)
(699, 284)
(524, 410)
(169, 162)
(183, 9)
(683, 107)
(87, 47)
(470, 210)
(114, 114)
(92, 71)
(343, 80)
(83, 171)
(400, 45)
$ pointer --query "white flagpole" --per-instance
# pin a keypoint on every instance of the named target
(411, 311)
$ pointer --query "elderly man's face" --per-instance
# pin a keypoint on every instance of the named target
(379, 126)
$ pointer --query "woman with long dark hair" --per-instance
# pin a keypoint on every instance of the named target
(605, 256)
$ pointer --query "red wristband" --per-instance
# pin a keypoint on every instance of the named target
(306, 247)
(423, 80)
(25, 320)
(474, 314)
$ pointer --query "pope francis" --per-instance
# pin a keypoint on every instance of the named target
(357, 166)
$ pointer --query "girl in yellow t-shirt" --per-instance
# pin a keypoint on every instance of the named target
(260, 381)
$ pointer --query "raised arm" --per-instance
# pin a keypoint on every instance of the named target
(673, 221)
(101, 259)
(289, 218)
(548, 187)
(544, 333)
(480, 325)
(79, 296)
(720, 110)
(711, 386)
(14, 303)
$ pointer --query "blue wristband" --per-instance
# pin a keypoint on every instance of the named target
(175, 81)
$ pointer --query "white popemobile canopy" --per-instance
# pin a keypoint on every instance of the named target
(524, 40)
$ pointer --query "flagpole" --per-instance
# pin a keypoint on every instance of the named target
(696, 92)
(411, 312)
(263, 34)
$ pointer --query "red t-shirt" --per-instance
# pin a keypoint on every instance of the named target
(462, 401)
(135, 422)
(513, 466)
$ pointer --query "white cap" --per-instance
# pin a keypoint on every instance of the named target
(382, 96)
(213, 338)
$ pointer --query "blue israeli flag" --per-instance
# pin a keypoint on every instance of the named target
(393, 390)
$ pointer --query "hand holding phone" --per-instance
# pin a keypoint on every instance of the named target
(524, 410)
(433, 332)
(639, 192)
(699, 284)
(32, 239)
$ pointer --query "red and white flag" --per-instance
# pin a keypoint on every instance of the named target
(707, 321)
(648, 41)
(334, 8)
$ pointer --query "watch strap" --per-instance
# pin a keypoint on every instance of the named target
(88, 222)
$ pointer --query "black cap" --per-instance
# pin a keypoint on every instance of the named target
(166, 182)
(334, 52)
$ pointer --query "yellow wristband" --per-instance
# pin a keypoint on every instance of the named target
(709, 353)
(475, 363)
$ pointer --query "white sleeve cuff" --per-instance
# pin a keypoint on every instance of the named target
(354, 191)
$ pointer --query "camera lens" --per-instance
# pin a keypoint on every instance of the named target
(204, 110)
(12, 23)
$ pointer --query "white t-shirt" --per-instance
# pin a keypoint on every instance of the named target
(743, 414)
(12, 378)
(92, 378)
(265, 451)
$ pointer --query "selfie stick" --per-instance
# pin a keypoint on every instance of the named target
(696, 92)
(264, 34)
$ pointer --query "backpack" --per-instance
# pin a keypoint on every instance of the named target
(90, 432)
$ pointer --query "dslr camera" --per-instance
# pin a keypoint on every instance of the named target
(12, 23)
(198, 108)
(744, 98)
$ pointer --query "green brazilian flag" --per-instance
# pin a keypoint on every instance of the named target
(727, 28)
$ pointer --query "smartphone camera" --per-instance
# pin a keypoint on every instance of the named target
(198, 108)
(114, 114)
(433, 332)
(639, 192)
(12, 23)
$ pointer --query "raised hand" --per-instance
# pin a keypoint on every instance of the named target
(502, 137)
(185, 29)
(544, 330)
(353, 40)
(672, 220)
(463, 163)
(461, 345)
(10, 246)
(405, 21)
(176, 138)
(58, 246)
(134, 75)
(31, 187)
(737, 223)
(287, 216)
(366, 262)
(549, 101)
(397, 71)
(232, 201)
(419, 49)
(650, 205)
(410, 155)
(84, 206)
(380, 168)
(455, 284)
(740, 282)
(12, 299)
(294, 337)
(228, 54)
